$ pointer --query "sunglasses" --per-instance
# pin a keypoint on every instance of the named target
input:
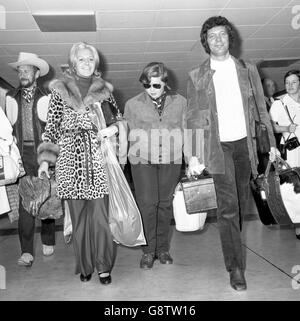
(156, 86)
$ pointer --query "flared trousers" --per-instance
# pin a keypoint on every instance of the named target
(92, 239)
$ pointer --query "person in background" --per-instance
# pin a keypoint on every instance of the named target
(71, 141)
(6, 141)
(220, 111)
(287, 125)
(26, 108)
(156, 166)
(269, 88)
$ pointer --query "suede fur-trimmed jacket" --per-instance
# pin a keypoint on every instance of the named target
(202, 113)
(70, 138)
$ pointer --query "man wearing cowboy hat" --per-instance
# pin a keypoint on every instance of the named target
(26, 108)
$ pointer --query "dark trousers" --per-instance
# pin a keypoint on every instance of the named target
(232, 196)
(154, 186)
(26, 228)
(92, 239)
(26, 224)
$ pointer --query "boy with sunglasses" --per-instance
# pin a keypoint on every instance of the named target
(156, 118)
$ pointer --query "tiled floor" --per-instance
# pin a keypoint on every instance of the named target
(198, 271)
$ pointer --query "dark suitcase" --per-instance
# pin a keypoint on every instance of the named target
(270, 205)
(199, 193)
(261, 203)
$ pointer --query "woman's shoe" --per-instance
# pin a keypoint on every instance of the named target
(298, 236)
(106, 279)
(85, 278)
(147, 261)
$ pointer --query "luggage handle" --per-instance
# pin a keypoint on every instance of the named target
(192, 178)
(204, 174)
(195, 177)
(278, 160)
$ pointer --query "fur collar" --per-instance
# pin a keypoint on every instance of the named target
(70, 93)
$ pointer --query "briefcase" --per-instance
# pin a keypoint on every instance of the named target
(199, 193)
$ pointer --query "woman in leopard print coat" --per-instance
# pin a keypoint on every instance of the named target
(71, 142)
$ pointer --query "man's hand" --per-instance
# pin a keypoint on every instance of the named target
(195, 168)
(272, 154)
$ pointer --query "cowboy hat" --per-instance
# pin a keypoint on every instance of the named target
(26, 58)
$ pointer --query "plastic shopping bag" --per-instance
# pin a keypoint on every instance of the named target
(124, 217)
(185, 222)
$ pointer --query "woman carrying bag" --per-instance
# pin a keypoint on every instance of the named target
(71, 141)
(285, 116)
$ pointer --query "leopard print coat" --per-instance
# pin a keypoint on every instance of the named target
(70, 139)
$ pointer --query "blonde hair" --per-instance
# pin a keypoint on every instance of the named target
(74, 53)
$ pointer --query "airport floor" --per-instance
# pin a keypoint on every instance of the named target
(198, 272)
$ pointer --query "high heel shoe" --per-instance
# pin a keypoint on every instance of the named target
(105, 280)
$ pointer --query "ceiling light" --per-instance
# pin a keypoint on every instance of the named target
(63, 21)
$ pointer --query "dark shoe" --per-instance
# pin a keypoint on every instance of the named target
(147, 261)
(237, 280)
(105, 280)
(165, 258)
(85, 278)
(298, 236)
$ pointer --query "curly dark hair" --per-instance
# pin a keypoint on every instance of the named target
(292, 72)
(214, 22)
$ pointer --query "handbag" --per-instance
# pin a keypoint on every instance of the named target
(39, 197)
(33, 192)
(261, 131)
(199, 193)
(53, 206)
(11, 166)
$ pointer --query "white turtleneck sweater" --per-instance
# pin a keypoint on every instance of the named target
(231, 118)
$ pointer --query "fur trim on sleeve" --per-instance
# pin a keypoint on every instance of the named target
(47, 152)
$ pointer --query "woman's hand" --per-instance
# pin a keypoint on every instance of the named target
(107, 132)
(195, 168)
(43, 170)
(292, 128)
